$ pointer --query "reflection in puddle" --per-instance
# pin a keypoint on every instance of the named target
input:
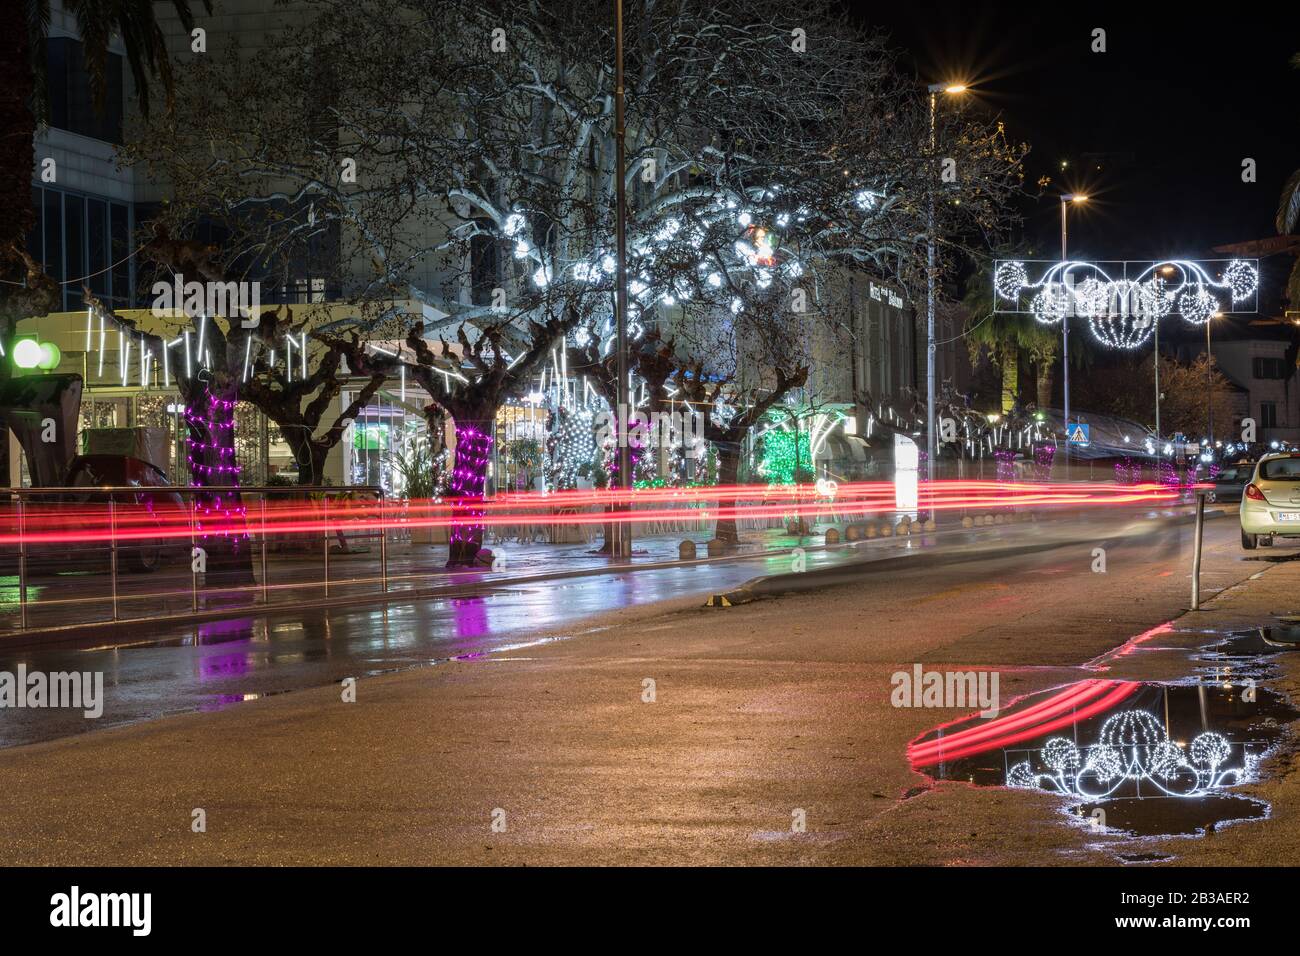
(1143, 759)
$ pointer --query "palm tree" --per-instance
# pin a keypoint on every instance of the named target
(1006, 336)
(1288, 217)
(24, 28)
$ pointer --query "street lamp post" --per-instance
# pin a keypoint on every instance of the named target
(1209, 383)
(931, 438)
(1065, 327)
(1155, 360)
(622, 531)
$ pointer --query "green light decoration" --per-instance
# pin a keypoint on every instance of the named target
(31, 353)
(779, 456)
(27, 353)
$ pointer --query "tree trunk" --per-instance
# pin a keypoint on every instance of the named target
(310, 456)
(466, 489)
(635, 450)
(1010, 378)
(728, 475)
(1044, 396)
(219, 517)
(17, 214)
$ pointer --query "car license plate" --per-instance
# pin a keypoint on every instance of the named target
(1288, 516)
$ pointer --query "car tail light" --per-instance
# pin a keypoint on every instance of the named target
(1253, 493)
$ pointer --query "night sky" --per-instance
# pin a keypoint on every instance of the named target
(1183, 94)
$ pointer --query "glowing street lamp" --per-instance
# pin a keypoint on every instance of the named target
(27, 353)
(931, 444)
(1066, 199)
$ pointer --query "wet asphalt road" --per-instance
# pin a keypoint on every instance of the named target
(219, 664)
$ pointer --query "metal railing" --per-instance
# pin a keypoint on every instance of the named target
(79, 552)
(49, 532)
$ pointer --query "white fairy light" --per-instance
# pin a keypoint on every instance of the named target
(514, 222)
(1123, 311)
(669, 229)
(1242, 279)
(1121, 332)
(1133, 747)
(1050, 305)
(521, 249)
(1196, 306)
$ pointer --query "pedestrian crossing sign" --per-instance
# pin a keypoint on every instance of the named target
(1077, 433)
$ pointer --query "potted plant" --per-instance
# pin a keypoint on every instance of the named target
(418, 476)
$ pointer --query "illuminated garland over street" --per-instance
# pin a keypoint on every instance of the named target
(1134, 748)
(1122, 311)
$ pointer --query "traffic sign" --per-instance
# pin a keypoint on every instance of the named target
(1077, 433)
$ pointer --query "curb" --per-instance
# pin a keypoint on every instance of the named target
(769, 585)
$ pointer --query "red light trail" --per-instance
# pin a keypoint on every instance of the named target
(83, 523)
(1074, 704)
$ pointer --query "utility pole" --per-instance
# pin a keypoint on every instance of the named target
(622, 530)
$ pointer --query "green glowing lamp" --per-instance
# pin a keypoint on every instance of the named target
(50, 356)
(27, 353)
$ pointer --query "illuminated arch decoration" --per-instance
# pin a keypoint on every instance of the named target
(1134, 749)
(1123, 300)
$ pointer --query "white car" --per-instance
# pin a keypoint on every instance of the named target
(1270, 505)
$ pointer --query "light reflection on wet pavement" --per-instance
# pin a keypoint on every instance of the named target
(221, 663)
(1135, 758)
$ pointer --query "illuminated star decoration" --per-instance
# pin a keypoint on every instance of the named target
(1134, 748)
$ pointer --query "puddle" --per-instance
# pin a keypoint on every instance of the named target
(1282, 637)
(1142, 759)
(1145, 857)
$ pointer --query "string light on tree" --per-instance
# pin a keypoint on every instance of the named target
(571, 446)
